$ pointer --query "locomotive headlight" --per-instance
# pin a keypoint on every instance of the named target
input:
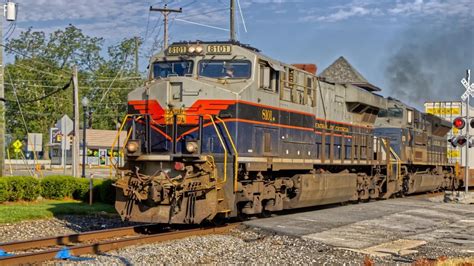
(191, 146)
(132, 146)
(199, 49)
(191, 49)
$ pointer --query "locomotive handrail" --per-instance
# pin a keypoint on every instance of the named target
(236, 163)
(118, 136)
(397, 159)
(223, 146)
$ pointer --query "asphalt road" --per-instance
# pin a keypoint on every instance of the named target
(395, 226)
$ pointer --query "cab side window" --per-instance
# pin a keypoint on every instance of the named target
(268, 77)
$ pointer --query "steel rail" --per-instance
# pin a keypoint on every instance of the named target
(104, 246)
(72, 238)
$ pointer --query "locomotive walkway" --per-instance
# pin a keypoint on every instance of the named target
(391, 227)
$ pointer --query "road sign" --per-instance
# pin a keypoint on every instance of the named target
(17, 145)
(65, 125)
(35, 142)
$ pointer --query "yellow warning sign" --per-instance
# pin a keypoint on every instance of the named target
(17, 145)
(443, 111)
(454, 154)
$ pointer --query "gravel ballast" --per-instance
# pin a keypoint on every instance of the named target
(252, 246)
(61, 225)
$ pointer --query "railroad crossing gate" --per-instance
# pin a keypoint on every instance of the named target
(17, 145)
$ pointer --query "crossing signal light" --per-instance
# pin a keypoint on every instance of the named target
(460, 124)
(458, 141)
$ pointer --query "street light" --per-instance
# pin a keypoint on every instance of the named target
(85, 103)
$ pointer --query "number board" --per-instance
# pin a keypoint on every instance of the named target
(177, 50)
(219, 49)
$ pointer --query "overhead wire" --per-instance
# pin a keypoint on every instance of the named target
(17, 101)
(242, 16)
(30, 57)
(47, 95)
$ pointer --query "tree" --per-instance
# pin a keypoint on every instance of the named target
(42, 66)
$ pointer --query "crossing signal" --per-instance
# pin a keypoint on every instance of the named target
(459, 123)
(458, 141)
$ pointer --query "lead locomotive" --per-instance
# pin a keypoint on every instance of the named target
(220, 130)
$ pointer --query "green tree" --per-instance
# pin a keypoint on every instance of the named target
(42, 66)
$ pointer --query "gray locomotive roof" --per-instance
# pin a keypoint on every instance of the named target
(341, 71)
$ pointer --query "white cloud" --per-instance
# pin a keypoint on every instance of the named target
(48, 10)
(462, 8)
(343, 14)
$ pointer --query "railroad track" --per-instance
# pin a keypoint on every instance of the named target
(95, 242)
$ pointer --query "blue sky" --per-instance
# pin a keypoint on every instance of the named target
(371, 34)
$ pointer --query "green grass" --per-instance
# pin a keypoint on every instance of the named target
(20, 211)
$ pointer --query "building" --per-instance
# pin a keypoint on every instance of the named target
(99, 148)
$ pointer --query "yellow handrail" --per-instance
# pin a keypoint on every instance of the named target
(397, 159)
(236, 163)
(223, 146)
(118, 136)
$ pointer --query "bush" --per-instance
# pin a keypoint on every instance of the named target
(58, 187)
(107, 191)
(4, 195)
(31, 188)
(14, 188)
(81, 190)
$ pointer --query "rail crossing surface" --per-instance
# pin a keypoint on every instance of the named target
(390, 227)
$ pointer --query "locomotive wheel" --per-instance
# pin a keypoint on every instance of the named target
(219, 220)
(265, 214)
(242, 217)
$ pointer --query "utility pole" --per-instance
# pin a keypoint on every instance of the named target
(10, 12)
(232, 20)
(166, 11)
(136, 55)
(75, 140)
(468, 107)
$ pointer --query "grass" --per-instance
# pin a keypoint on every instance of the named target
(20, 211)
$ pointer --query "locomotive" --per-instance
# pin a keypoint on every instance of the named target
(220, 130)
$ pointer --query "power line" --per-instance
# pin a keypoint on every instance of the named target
(30, 57)
(47, 95)
(166, 11)
(204, 13)
(17, 101)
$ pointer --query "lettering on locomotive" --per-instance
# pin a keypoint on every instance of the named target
(180, 116)
(219, 49)
(267, 115)
(332, 127)
(177, 50)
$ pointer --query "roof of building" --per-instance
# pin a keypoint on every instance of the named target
(342, 72)
(97, 138)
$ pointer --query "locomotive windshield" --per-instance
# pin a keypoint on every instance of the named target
(172, 68)
(233, 69)
(391, 112)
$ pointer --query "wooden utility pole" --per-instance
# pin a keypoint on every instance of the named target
(9, 12)
(136, 55)
(232, 20)
(166, 11)
(2, 104)
(75, 140)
